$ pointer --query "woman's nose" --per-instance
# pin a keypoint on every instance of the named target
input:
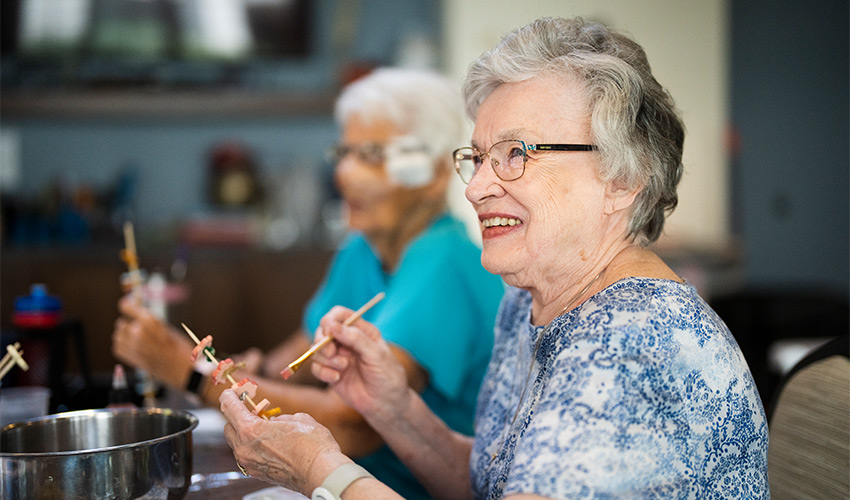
(346, 165)
(484, 183)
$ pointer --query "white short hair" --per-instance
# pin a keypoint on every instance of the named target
(421, 103)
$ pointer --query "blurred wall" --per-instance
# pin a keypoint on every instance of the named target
(168, 151)
(791, 115)
(170, 158)
(771, 77)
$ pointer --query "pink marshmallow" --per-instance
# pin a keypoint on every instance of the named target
(221, 372)
(245, 386)
(205, 343)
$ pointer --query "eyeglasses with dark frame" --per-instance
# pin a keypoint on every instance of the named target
(507, 158)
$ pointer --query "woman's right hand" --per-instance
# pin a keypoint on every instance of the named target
(360, 366)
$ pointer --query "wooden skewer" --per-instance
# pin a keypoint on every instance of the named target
(131, 257)
(295, 365)
(13, 357)
(210, 356)
(16, 346)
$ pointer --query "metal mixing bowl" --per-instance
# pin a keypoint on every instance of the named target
(114, 454)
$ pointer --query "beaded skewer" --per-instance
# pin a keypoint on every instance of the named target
(14, 356)
(134, 284)
(209, 352)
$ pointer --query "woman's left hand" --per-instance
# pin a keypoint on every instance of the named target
(293, 451)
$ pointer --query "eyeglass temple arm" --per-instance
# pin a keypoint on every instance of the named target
(562, 147)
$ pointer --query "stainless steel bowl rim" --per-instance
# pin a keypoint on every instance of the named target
(192, 419)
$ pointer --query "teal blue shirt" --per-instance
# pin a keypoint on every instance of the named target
(440, 307)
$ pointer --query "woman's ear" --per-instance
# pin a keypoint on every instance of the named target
(619, 197)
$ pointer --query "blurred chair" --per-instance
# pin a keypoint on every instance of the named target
(761, 319)
(809, 453)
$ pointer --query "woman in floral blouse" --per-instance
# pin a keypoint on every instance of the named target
(610, 377)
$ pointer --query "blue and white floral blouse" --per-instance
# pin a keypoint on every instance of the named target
(640, 392)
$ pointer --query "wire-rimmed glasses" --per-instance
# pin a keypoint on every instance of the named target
(507, 158)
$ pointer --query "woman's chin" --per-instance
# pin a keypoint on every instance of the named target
(500, 264)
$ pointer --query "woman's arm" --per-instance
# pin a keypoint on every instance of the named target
(362, 369)
(435, 454)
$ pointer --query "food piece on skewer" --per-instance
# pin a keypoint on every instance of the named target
(245, 388)
(261, 406)
(223, 370)
(270, 413)
(203, 345)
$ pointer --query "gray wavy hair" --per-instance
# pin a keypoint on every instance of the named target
(633, 119)
(421, 103)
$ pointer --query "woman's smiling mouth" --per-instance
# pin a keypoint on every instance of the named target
(500, 221)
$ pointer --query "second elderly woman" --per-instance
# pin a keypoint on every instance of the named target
(610, 377)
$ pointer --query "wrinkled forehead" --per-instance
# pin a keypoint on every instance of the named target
(544, 108)
(359, 129)
(505, 135)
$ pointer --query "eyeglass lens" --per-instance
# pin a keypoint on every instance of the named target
(507, 158)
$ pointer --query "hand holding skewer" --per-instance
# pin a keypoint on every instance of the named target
(134, 285)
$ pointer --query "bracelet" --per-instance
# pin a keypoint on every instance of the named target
(338, 480)
(195, 380)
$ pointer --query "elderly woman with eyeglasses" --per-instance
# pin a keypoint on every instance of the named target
(610, 377)
(393, 167)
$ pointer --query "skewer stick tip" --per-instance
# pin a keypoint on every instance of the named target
(288, 372)
(191, 333)
(293, 367)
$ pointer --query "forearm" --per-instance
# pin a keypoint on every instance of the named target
(367, 488)
(435, 454)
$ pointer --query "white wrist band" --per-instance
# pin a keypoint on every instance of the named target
(338, 480)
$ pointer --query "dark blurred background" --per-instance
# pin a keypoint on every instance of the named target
(205, 124)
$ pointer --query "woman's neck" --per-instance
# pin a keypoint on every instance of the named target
(618, 262)
(391, 245)
(562, 292)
